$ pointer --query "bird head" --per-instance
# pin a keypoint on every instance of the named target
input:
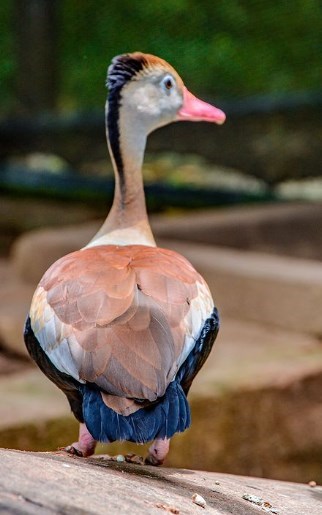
(152, 93)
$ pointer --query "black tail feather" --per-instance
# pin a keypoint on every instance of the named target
(162, 420)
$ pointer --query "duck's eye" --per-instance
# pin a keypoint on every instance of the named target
(168, 82)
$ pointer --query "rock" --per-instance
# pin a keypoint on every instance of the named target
(266, 228)
(28, 397)
(15, 297)
(47, 483)
(245, 408)
(305, 189)
(246, 404)
(275, 290)
(34, 252)
(200, 501)
(265, 370)
(11, 365)
(271, 289)
(13, 313)
(287, 229)
(18, 215)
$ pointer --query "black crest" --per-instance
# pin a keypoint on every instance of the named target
(123, 68)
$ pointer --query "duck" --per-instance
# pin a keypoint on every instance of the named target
(123, 326)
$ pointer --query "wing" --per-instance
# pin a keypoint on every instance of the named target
(200, 352)
(124, 318)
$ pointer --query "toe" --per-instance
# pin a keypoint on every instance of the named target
(73, 450)
(152, 460)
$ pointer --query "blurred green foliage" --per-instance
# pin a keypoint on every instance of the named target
(226, 48)
(7, 62)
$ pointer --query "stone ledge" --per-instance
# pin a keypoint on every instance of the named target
(33, 252)
(28, 397)
(284, 229)
(47, 483)
(287, 229)
(245, 405)
(247, 399)
(15, 298)
(274, 290)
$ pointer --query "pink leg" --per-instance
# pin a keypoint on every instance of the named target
(85, 445)
(158, 452)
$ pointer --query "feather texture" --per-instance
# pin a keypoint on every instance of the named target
(162, 420)
(120, 317)
(121, 326)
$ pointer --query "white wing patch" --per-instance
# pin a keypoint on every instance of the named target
(201, 308)
(55, 338)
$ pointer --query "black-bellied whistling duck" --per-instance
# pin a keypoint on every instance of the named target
(121, 326)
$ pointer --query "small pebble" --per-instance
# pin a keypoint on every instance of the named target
(134, 458)
(217, 483)
(200, 501)
(254, 499)
(312, 484)
(265, 505)
(120, 458)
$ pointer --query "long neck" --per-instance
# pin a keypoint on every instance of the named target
(127, 221)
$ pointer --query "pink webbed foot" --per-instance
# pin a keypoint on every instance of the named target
(158, 452)
(84, 447)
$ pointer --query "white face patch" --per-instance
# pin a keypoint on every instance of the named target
(148, 104)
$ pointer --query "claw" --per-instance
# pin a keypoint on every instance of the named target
(152, 460)
(84, 447)
(73, 451)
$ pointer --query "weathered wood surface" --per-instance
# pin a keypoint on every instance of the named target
(48, 483)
